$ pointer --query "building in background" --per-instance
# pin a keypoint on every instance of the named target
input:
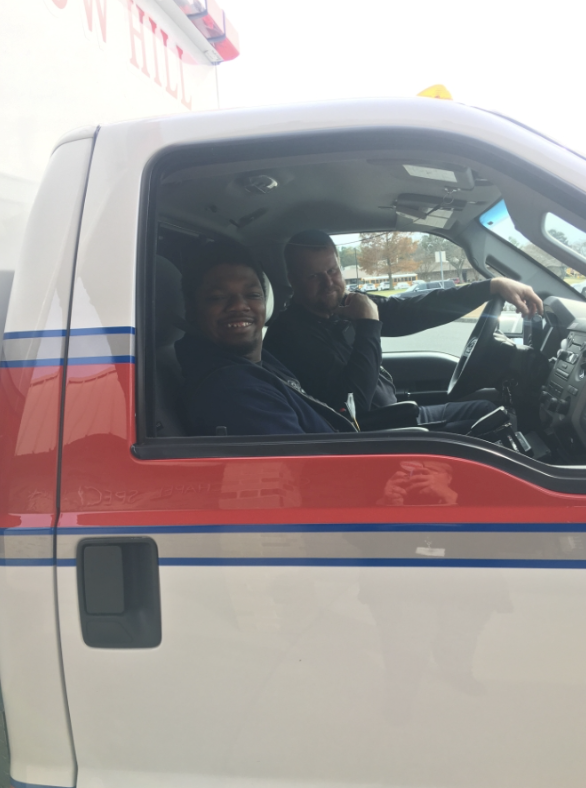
(354, 275)
(70, 63)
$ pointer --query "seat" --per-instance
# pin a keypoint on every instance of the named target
(169, 314)
(400, 415)
(270, 298)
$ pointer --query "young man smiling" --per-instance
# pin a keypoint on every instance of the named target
(234, 387)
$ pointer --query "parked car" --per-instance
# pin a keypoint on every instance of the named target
(368, 288)
(402, 286)
(421, 286)
(384, 286)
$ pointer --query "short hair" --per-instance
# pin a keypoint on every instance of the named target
(214, 253)
(315, 240)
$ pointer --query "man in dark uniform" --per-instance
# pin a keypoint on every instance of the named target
(233, 386)
(335, 350)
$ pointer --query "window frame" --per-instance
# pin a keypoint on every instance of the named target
(564, 479)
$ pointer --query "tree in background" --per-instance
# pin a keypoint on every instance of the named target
(387, 253)
(559, 236)
(429, 245)
(577, 245)
(546, 260)
(459, 260)
(348, 256)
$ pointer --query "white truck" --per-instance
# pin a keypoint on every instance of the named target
(402, 608)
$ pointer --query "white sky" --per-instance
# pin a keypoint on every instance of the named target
(524, 59)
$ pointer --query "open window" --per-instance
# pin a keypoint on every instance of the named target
(405, 264)
(423, 187)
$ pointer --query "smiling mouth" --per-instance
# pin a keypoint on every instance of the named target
(238, 325)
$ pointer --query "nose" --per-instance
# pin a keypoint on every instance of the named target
(237, 303)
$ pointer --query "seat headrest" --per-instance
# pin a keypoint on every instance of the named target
(169, 304)
(270, 297)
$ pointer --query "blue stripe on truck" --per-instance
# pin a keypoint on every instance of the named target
(75, 332)
(34, 362)
(98, 345)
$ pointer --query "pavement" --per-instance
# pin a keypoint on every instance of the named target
(445, 339)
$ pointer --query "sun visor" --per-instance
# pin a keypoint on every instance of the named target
(451, 175)
(428, 211)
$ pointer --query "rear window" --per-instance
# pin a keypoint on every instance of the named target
(564, 234)
(497, 220)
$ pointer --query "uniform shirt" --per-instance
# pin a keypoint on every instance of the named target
(227, 390)
(333, 357)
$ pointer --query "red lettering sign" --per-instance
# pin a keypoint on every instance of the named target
(101, 6)
(137, 25)
(139, 34)
(155, 57)
(184, 100)
(138, 45)
(170, 90)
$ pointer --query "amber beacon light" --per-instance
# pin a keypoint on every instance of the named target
(437, 92)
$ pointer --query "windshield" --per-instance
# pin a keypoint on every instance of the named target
(498, 221)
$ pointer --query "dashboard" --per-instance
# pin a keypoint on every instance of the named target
(562, 411)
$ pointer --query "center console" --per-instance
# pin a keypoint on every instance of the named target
(563, 398)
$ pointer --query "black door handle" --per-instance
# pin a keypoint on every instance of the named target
(118, 589)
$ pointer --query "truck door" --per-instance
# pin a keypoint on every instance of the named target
(280, 610)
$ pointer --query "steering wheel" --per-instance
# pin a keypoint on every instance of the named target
(475, 358)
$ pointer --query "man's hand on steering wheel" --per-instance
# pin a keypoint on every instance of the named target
(521, 296)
